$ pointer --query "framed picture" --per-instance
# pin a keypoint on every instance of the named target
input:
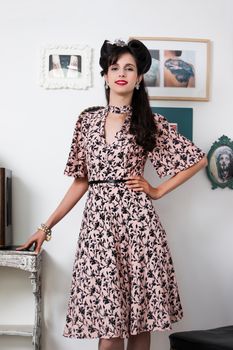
(66, 67)
(220, 163)
(180, 68)
(181, 119)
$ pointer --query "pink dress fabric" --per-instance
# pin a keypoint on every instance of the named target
(123, 280)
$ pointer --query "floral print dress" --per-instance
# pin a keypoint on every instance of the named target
(123, 280)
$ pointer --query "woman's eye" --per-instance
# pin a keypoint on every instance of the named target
(113, 68)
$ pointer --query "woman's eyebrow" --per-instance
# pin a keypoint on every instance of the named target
(130, 64)
(127, 64)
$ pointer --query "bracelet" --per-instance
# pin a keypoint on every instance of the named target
(47, 231)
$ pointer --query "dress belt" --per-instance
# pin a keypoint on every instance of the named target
(110, 180)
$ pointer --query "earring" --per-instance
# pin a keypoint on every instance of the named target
(106, 85)
(137, 86)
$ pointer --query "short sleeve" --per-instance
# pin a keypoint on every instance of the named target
(76, 163)
(172, 152)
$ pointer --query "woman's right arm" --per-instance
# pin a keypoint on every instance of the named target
(72, 196)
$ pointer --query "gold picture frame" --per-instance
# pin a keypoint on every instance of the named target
(180, 68)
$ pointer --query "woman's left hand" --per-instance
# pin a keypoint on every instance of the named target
(138, 183)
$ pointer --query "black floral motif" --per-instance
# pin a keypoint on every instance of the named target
(123, 277)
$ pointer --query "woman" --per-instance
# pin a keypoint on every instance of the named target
(123, 283)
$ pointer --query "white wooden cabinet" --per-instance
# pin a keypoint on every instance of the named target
(27, 261)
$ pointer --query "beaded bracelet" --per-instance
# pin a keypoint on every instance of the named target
(46, 230)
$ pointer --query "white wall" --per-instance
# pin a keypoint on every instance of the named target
(36, 126)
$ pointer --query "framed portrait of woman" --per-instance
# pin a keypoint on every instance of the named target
(220, 163)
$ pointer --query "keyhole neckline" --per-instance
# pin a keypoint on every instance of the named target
(127, 112)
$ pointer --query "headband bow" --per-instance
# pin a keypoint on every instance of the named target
(117, 42)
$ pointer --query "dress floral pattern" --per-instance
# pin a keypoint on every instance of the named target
(123, 280)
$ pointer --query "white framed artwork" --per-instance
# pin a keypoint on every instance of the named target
(66, 67)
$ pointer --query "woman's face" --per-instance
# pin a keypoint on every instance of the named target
(224, 161)
(123, 76)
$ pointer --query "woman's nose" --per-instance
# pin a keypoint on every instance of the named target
(121, 73)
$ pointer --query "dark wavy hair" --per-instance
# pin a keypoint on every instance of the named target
(142, 121)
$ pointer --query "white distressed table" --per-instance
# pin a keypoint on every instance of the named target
(27, 261)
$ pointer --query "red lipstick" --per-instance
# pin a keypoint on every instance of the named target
(121, 82)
